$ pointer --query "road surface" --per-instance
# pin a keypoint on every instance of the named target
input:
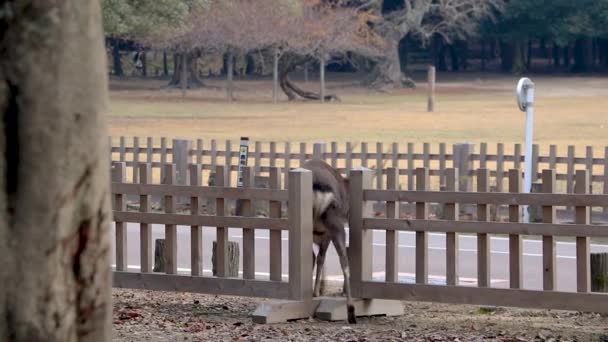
(532, 257)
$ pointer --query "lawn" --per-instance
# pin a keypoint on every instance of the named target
(569, 111)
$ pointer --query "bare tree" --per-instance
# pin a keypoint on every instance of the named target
(54, 191)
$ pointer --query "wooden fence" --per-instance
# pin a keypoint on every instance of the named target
(435, 157)
(362, 223)
(298, 224)
(361, 226)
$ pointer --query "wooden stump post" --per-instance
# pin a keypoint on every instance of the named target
(599, 272)
(535, 212)
(159, 255)
(233, 259)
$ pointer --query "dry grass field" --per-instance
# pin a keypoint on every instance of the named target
(474, 108)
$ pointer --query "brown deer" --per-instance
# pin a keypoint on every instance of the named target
(330, 213)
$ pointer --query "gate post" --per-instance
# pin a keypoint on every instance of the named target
(181, 159)
(360, 240)
(300, 234)
(318, 150)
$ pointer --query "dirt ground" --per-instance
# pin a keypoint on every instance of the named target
(141, 315)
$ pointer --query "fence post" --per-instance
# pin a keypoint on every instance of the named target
(549, 256)
(181, 159)
(463, 161)
(360, 240)
(318, 151)
(119, 174)
(422, 237)
(582, 215)
(515, 241)
(300, 234)
(145, 229)
(170, 229)
(451, 238)
(196, 232)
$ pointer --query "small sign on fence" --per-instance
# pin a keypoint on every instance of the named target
(243, 155)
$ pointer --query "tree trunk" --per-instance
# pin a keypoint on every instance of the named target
(291, 90)
(192, 79)
(116, 61)
(144, 64)
(583, 55)
(555, 55)
(275, 76)
(529, 55)
(441, 64)
(453, 58)
(54, 193)
(483, 55)
(506, 56)
(165, 65)
(566, 56)
(230, 76)
(184, 72)
(387, 71)
(322, 77)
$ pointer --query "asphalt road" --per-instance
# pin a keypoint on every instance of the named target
(532, 257)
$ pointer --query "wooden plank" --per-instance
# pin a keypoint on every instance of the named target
(360, 239)
(392, 237)
(273, 154)
(213, 155)
(474, 227)
(207, 285)
(582, 216)
(500, 167)
(410, 166)
(570, 170)
(135, 172)
(349, 157)
(170, 229)
(379, 165)
(422, 237)
(488, 296)
(515, 240)
(248, 234)
(451, 239)
(483, 155)
(334, 154)
(257, 157)
(208, 191)
(287, 162)
(149, 149)
(605, 207)
(199, 152)
(588, 160)
(119, 174)
(300, 234)
(483, 241)
(426, 151)
(196, 231)
(553, 157)
(517, 157)
(228, 164)
(442, 160)
(534, 162)
(121, 150)
(549, 256)
(163, 156)
(484, 198)
(276, 243)
(364, 154)
(146, 258)
(221, 232)
(302, 153)
(202, 220)
(395, 156)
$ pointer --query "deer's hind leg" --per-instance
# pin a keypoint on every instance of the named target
(335, 225)
(319, 288)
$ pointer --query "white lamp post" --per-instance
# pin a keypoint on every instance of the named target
(525, 100)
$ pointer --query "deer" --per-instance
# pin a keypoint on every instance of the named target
(330, 213)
